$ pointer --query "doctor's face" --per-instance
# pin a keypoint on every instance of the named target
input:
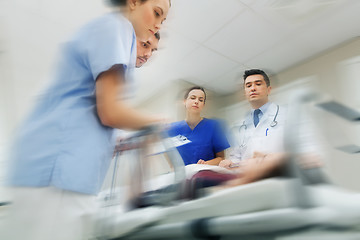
(256, 90)
(195, 101)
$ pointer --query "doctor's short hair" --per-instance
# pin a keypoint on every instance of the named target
(186, 95)
(257, 72)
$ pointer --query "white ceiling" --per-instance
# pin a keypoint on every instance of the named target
(207, 42)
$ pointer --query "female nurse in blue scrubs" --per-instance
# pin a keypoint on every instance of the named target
(64, 149)
(203, 140)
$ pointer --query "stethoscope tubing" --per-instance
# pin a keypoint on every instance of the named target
(272, 124)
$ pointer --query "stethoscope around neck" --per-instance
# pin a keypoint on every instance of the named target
(244, 127)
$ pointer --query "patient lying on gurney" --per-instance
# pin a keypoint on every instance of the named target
(256, 168)
(266, 165)
(228, 173)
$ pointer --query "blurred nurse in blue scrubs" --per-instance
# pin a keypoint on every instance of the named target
(203, 140)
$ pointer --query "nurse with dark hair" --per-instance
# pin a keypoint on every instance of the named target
(203, 140)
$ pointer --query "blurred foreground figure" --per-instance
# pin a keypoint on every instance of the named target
(64, 149)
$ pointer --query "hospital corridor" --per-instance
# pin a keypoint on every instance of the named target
(180, 119)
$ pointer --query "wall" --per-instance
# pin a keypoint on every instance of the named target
(337, 73)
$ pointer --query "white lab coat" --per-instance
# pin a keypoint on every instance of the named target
(266, 139)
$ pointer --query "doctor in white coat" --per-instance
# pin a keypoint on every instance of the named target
(259, 149)
(262, 130)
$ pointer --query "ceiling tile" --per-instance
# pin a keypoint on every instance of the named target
(204, 64)
(248, 2)
(246, 36)
(228, 82)
(200, 19)
(172, 49)
(294, 16)
(280, 56)
(333, 29)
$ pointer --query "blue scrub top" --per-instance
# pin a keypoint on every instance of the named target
(207, 139)
(63, 142)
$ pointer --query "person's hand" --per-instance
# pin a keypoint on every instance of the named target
(250, 171)
(201, 162)
(225, 163)
(257, 168)
(258, 157)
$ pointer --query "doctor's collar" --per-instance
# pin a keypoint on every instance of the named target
(263, 108)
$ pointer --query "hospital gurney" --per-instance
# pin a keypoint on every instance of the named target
(274, 208)
(262, 210)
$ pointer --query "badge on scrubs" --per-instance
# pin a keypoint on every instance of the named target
(179, 140)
